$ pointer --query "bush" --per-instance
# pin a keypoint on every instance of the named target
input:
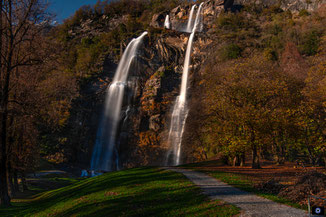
(311, 42)
(274, 9)
(303, 12)
(270, 54)
(232, 22)
(231, 51)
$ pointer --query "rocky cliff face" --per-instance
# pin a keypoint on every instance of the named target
(211, 9)
(155, 80)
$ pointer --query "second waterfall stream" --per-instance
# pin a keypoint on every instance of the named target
(180, 109)
(105, 154)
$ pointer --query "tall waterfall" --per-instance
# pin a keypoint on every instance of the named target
(180, 110)
(105, 154)
(167, 24)
(190, 19)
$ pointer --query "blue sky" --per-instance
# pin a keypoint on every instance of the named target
(65, 8)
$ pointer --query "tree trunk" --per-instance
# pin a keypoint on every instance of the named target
(16, 186)
(255, 156)
(236, 160)
(312, 159)
(24, 183)
(5, 199)
(11, 189)
(243, 159)
(234, 163)
(1, 32)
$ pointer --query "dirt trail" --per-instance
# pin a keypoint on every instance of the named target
(251, 205)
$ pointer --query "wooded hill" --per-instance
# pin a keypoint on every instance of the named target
(258, 84)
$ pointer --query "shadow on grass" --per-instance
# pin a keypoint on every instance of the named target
(135, 192)
(210, 163)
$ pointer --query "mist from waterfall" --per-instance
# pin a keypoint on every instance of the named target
(105, 154)
(167, 24)
(190, 19)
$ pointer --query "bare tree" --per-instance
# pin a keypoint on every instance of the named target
(18, 24)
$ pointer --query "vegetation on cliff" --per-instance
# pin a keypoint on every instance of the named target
(262, 92)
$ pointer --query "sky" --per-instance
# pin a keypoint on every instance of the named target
(65, 8)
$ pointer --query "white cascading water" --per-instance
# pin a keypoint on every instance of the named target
(190, 20)
(105, 153)
(167, 24)
(180, 110)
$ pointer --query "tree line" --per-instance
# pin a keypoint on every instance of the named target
(35, 90)
(262, 91)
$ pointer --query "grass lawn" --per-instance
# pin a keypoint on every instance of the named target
(134, 192)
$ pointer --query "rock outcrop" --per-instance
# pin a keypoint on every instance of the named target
(212, 8)
(292, 5)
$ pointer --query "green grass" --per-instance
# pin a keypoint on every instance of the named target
(243, 183)
(134, 192)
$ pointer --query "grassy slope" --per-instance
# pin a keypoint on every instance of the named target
(135, 192)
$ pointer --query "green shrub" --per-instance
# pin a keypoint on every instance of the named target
(162, 74)
(274, 42)
(274, 29)
(310, 44)
(231, 51)
(270, 54)
(232, 22)
(274, 9)
(253, 8)
(303, 12)
(86, 42)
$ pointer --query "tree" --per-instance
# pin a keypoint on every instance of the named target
(242, 99)
(22, 21)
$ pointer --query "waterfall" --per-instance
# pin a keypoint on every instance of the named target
(198, 22)
(180, 110)
(167, 24)
(105, 154)
(190, 19)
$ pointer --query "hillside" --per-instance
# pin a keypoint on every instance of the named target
(251, 79)
(131, 83)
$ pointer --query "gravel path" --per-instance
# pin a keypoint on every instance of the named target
(251, 205)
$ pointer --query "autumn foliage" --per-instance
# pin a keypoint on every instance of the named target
(267, 103)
